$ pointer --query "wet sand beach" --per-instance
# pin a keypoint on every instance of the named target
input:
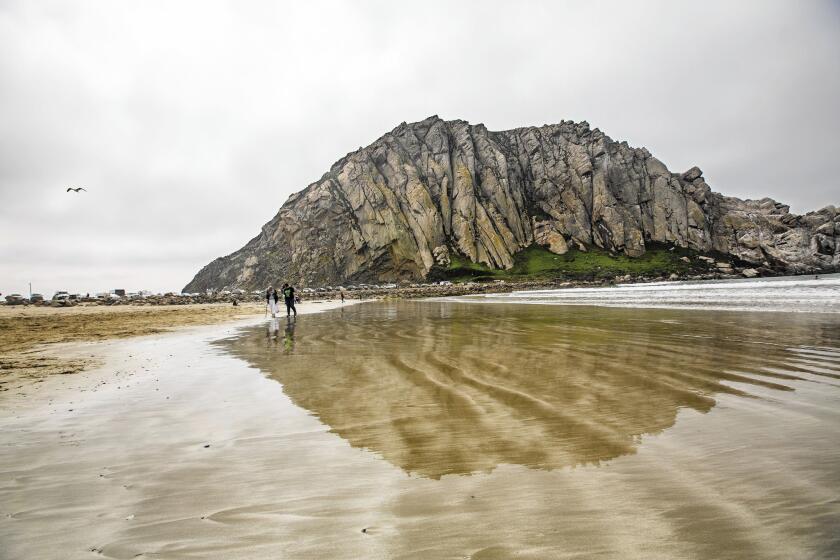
(438, 430)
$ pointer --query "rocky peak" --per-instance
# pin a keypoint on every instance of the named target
(434, 188)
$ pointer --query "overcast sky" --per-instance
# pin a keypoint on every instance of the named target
(190, 123)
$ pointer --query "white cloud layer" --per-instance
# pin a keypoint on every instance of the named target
(190, 123)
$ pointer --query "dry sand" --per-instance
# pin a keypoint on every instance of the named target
(26, 333)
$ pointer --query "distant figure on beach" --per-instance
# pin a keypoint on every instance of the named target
(341, 293)
(289, 297)
(271, 300)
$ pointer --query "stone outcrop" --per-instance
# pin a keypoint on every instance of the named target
(430, 190)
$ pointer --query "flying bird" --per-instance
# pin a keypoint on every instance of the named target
(77, 189)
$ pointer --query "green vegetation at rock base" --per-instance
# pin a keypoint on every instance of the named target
(536, 263)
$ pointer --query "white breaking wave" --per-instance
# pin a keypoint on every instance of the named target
(791, 293)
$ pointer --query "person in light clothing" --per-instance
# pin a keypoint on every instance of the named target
(271, 300)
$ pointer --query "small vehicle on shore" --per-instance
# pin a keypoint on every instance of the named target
(16, 299)
(36, 298)
(61, 296)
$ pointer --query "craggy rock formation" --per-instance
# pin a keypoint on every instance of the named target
(427, 190)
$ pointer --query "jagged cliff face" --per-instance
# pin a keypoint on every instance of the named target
(393, 210)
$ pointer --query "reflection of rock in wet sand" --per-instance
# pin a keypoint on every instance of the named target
(441, 388)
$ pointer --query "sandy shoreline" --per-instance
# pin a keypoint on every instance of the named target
(135, 402)
(173, 448)
(34, 340)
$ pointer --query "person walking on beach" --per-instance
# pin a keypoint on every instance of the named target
(271, 300)
(341, 293)
(289, 297)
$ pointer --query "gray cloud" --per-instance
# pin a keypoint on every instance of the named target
(190, 123)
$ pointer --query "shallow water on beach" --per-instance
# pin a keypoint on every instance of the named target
(803, 294)
(597, 431)
(437, 429)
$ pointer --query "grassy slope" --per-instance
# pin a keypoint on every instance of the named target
(536, 262)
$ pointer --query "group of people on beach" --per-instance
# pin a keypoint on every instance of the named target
(272, 299)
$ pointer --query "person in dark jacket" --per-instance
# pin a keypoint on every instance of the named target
(289, 298)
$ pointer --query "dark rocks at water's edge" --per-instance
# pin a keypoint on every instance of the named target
(431, 191)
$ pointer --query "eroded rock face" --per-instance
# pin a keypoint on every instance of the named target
(393, 210)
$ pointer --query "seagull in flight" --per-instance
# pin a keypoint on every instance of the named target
(77, 189)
